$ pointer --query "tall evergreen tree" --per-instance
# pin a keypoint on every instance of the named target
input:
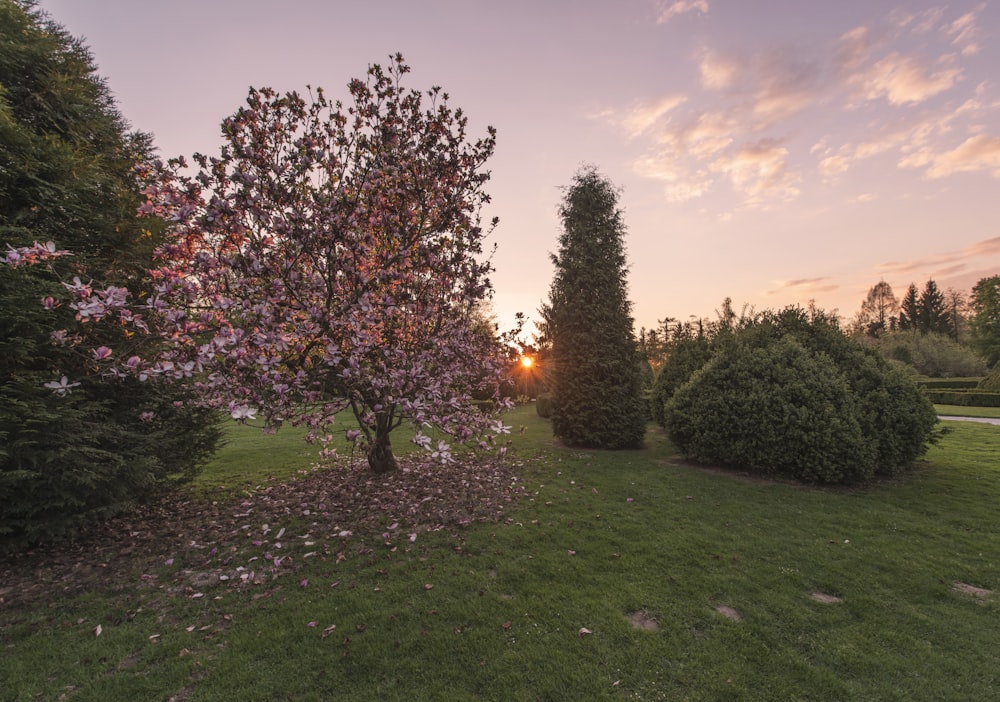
(66, 176)
(909, 310)
(985, 321)
(934, 316)
(596, 382)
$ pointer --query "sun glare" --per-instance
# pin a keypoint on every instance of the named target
(527, 361)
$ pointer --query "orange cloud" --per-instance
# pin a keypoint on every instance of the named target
(679, 7)
(977, 153)
(902, 79)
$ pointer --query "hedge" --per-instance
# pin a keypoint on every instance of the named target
(948, 383)
(977, 398)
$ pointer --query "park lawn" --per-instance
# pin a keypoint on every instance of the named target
(965, 411)
(729, 569)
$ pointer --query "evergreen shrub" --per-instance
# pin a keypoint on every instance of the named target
(791, 395)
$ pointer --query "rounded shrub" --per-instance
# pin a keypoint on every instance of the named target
(686, 356)
(543, 406)
(773, 410)
(791, 395)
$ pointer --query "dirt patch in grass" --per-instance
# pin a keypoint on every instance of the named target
(728, 612)
(824, 598)
(642, 619)
(341, 506)
(979, 594)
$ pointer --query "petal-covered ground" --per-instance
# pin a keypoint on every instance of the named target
(340, 511)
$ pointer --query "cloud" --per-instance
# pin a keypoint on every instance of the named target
(679, 7)
(718, 72)
(945, 261)
(759, 169)
(803, 286)
(642, 117)
(977, 153)
(902, 79)
(964, 32)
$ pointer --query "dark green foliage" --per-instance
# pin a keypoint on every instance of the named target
(934, 317)
(786, 395)
(543, 406)
(685, 357)
(949, 383)
(66, 175)
(985, 321)
(932, 355)
(909, 310)
(773, 410)
(965, 398)
(594, 369)
(992, 381)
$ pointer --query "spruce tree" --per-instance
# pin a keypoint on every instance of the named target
(909, 310)
(595, 374)
(934, 316)
(66, 176)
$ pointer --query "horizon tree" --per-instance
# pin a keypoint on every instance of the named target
(909, 310)
(984, 324)
(933, 314)
(595, 374)
(878, 309)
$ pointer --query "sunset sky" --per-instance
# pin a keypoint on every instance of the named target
(771, 151)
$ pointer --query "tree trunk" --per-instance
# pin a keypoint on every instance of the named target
(380, 458)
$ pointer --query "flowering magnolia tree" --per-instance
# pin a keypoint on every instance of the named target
(329, 258)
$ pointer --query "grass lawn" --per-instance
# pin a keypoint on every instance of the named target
(616, 576)
(964, 411)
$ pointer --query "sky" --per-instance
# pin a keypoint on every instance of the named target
(775, 152)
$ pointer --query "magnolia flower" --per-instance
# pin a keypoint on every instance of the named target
(241, 413)
(62, 387)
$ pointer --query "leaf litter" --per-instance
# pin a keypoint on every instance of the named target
(338, 511)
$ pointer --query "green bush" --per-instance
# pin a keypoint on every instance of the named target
(773, 410)
(685, 357)
(931, 355)
(970, 398)
(543, 406)
(992, 381)
(949, 383)
(784, 395)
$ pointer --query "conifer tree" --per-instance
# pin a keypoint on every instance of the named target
(596, 381)
(66, 176)
(934, 316)
(909, 310)
(985, 320)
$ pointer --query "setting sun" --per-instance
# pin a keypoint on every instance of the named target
(527, 361)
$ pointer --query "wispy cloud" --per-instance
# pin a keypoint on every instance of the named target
(742, 126)
(977, 153)
(803, 286)
(944, 263)
(964, 32)
(642, 117)
(903, 79)
(669, 10)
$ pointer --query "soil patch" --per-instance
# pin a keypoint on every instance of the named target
(824, 598)
(728, 612)
(642, 619)
(979, 594)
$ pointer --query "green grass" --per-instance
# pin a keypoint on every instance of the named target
(599, 535)
(962, 411)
